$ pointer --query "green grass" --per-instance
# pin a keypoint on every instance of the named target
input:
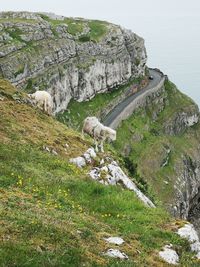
(15, 33)
(19, 71)
(45, 200)
(97, 29)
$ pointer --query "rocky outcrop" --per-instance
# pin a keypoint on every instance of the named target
(188, 232)
(108, 172)
(181, 121)
(70, 58)
(169, 255)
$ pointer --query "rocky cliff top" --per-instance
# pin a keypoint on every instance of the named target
(69, 57)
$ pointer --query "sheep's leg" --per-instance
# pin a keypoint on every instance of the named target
(82, 133)
(50, 110)
(96, 146)
(101, 146)
(45, 106)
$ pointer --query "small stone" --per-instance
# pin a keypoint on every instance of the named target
(102, 162)
(54, 152)
(114, 240)
(115, 253)
(91, 152)
(46, 148)
(87, 157)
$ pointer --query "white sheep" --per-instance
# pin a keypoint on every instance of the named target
(88, 125)
(98, 131)
(101, 134)
(42, 100)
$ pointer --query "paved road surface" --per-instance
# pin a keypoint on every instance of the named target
(157, 76)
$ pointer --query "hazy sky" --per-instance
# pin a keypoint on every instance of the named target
(113, 10)
(171, 29)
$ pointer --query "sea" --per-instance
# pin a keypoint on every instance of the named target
(173, 45)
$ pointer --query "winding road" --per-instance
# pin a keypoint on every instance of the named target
(111, 117)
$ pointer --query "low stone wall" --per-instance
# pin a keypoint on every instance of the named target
(138, 102)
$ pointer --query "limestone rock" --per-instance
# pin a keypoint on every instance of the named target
(115, 253)
(181, 121)
(79, 161)
(112, 174)
(188, 232)
(169, 255)
(117, 173)
(114, 240)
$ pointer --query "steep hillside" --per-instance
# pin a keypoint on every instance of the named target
(159, 144)
(71, 58)
(53, 214)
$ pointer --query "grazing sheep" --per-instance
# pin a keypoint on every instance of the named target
(98, 131)
(42, 100)
(101, 134)
(88, 125)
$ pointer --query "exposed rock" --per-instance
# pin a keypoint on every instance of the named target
(112, 174)
(46, 149)
(89, 155)
(91, 152)
(115, 253)
(79, 161)
(169, 255)
(117, 173)
(115, 240)
(187, 187)
(54, 152)
(67, 64)
(188, 232)
(102, 161)
(191, 120)
(181, 121)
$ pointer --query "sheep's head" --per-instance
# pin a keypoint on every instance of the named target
(31, 99)
(111, 134)
(31, 96)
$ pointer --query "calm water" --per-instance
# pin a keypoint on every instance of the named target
(173, 45)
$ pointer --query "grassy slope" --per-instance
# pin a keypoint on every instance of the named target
(52, 214)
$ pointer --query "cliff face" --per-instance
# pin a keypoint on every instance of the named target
(70, 58)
